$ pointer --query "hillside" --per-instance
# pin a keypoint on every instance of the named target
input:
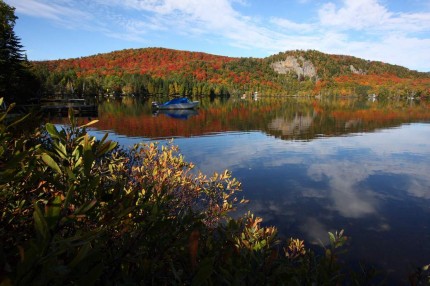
(152, 71)
(330, 66)
(158, 62)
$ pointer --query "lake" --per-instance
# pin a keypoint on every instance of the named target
(309, 166)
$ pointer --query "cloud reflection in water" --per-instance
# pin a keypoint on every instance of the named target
(371, 184)
(374, 185)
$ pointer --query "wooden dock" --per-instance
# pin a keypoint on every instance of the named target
(63, 110)
(58, 107)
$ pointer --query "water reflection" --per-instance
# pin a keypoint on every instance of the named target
(358, 165)
(299, 119)
(374, 185)
(177, 114)
(300, 124)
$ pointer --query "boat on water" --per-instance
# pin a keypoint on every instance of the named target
(177, 103)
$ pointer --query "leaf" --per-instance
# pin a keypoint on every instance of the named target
(4, 114)
(51, 163)
(106, 147)
(86, 142)
(332, 238)
(53, 208)
(76, 152)
(61, 149)
(70, 174)
(89, 123)
(78, 163)
(40, 223)
(69, 196)
(17, 121)
(10, 107)
(52, 211)
(85, 207)
(88, 158)
(50, 128)
(104, 138)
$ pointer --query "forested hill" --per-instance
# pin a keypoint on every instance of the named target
(152, 71)
(158, 62)
(326, 66)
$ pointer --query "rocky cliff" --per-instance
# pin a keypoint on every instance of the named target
(298, 65)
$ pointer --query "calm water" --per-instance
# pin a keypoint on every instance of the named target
(311, 166)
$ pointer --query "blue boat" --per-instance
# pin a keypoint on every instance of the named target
(177, 103)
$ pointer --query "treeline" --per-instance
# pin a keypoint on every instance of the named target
(72, 83)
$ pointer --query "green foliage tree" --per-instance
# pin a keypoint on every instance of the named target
(16, 82)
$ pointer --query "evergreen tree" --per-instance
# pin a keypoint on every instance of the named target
(16, 82)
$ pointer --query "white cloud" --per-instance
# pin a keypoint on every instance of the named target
(366, 29)
(362, 28)
(194, 18)
(396, 49)
(354, 14)
(371, 16)
(49, 10)
(293, 26)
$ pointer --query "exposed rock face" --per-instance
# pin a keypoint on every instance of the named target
(300, 66)
(356, 71)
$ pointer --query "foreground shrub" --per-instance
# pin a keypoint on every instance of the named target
(75, 210)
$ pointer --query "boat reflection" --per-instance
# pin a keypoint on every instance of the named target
(176, 113)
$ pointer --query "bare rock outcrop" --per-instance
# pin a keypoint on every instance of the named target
(299, 66)
(356, 71)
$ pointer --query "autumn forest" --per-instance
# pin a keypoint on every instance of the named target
(160, 71)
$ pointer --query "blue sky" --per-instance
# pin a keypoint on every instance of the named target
(393, 31)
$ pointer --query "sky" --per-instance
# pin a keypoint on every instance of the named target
(392, 31)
